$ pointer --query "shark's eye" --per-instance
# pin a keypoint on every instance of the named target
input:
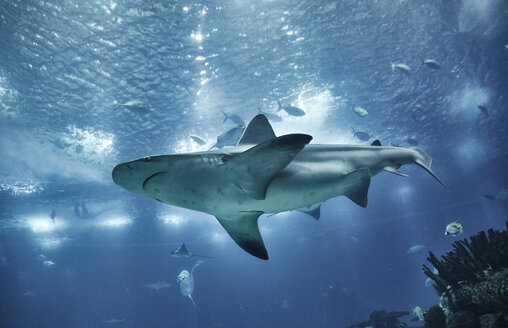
(146, 158)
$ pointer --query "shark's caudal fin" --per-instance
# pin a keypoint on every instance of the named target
(253, 170)
(244, 230)
(360, 180)
(259, 130)
(424, 160)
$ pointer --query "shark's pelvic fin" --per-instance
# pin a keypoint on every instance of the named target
(360, 180)
(244, 230)
(394, 170)
(253, 170)
(259, 130)
(314, 210)
(190, 296)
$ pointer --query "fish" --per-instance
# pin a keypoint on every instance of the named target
(263, 174)
(270, 116)
(429, 282)
(291, 110)
(137, 106)
(431, 63)
(48, 263)
(501, 195)
(52, 215)
(363, 136)
(418, 106)
(84, 211)
(77, 212)
(416, 249)
(401, 67)
(198, 140)
(506, 48)
(484, 110)
(233, 118)
(182, 252)
(229, 138)
(186, 282)
(360, 111)
(454, 229)
(158, 285)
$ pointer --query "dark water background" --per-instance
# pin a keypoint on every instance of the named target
(65, 66)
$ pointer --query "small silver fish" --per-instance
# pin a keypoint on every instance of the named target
(137, 106)
(291, 110)
(401, 67)
(360, 111)
(416, 249)
(431, 63)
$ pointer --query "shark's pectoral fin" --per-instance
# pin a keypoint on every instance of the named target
(244, 230)
(253, 170)
(394, 170)
(359, 181)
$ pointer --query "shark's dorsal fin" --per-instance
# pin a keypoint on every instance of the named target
(376, 143)
(243, 228)
(360, 179)
(259, 130)
(253, 170)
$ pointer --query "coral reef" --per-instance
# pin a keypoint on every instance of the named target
(472, 281)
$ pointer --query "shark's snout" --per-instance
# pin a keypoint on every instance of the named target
(120, 173)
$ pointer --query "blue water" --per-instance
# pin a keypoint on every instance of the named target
(66, 66)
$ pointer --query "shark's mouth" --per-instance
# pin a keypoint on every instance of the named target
(148, 179)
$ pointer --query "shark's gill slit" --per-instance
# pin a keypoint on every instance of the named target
(147, 179)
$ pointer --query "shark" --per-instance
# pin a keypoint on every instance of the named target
(263, 173)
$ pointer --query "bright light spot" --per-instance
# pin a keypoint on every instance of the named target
(185, 9)
(188, 146)
(51, 243)
(172, 220)
(88, 140)
(464, 103)
(317, 103)
(200, 58)
(43, 224)
(405, 192)
(218, 237)
(115, 222)
(197, 36)
(469, 153)
(204, 81)
(203, 72)
(21, 188)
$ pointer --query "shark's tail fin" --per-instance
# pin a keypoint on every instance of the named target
(280, 105)
(225, 116)
(424, 160)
